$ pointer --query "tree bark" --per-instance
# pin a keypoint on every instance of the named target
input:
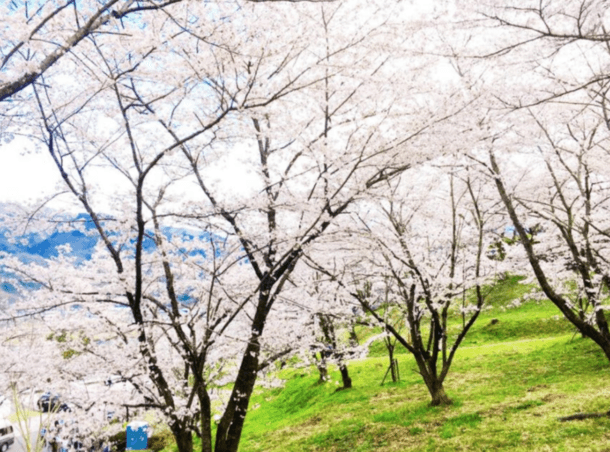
(322, 368)
(231, 424)
(602, 336)
(434, 383)
(330, 339)
(439, 397)
(390, 347)
(206, 420)
(183, 437)
(353, 337)
(347, 381)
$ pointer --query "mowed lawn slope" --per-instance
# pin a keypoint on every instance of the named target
(510, 382)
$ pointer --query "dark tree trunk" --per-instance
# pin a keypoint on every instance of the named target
(231, 424)
(606, 349)
(330, 338)
(347, 381)
(390, 347)
(439, 397)
(353, 337)
(206, 420)
(600, 336)
(433, 382)
(183, 437)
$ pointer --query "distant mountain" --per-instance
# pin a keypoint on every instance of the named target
(37, 247)
(82, 245)
(34, 246)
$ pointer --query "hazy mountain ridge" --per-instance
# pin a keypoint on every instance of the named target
(78, 232)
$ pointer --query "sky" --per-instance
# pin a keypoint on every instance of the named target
(25, 174)
(29, 175)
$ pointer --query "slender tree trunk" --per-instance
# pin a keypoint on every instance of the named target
(602, 336)
(347, 381)
(322, 368)
(328, 329)
(390, 347)
(353, 337)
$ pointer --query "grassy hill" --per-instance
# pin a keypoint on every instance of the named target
(511, 380)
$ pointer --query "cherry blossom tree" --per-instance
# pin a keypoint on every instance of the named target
(332, 338)
(555, 119)
(542, 136)
(36, 35)
(39, 358)
(568, 203)
(428, 265)
(195, 269)
(330, 349)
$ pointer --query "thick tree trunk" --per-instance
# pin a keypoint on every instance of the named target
(439, 397)
(433, 382)
(231, 424)
(206, 420)
(606, 348)
(183, 437)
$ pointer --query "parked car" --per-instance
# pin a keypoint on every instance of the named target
(7, 437)
(52, 402)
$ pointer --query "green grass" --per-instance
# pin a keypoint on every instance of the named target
(507, 396)
(510, 381)
(533, 319)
